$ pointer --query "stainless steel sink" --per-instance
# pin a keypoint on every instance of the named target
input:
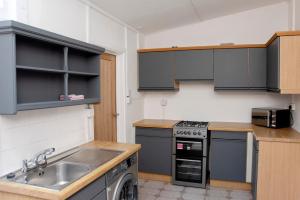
(55, 176)
(65, 168)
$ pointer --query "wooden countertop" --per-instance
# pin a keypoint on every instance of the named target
(233, 46)
(260, 133)
(10, 190)
(155, 123)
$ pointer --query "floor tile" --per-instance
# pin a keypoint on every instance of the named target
(146, 197)
(170, 194)
(154, 184)
(241, 195)
(195, 190)
(171, 187)
(217, 193)
(149, 191)
(164, 198)
(193, 196)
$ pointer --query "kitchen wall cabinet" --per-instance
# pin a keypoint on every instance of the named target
(94, 191)
(243, 68)
(157, 71)
(283, 65)
(228, 155)
(194, 65)
(38, 66)
(156, 152)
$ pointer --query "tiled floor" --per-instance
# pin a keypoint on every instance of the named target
(155, 190)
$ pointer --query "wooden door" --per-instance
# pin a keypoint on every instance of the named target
(105, 111)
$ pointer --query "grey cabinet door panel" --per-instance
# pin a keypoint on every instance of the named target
(231, 68)
(155, 155)
(228, 160)
(91, 190)
(154, 132)
(194, 65)
(258, 67)
(156, 70)
(254, 169)
(100, 196)
(273, 54)
(229, 135)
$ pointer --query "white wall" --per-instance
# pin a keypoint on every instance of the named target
(21, 136)
(198, 100)
(254, 26)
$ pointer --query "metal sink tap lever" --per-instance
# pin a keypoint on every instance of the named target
(39, 161)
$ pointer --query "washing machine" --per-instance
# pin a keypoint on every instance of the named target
(122, 180)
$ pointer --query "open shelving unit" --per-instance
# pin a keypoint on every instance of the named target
(42, 65)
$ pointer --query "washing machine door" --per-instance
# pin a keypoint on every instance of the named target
(127, 188)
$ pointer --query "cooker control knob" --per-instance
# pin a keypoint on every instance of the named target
(199, 133)
(194, 133)
(189, 133)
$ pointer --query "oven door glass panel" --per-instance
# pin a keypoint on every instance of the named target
(188, 170)
(190, 148)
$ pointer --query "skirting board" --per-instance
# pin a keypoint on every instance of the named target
(231, 185)
(155, 177)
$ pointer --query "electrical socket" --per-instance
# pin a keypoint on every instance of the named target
(293, 106)
(163, 102)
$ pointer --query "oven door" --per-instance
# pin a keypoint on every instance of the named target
(190, 148)
(189, 172)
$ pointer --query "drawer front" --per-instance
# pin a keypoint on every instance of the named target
(154, 132)
(229, 135)
(91, 190)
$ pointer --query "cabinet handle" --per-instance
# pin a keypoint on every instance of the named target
(188, 160)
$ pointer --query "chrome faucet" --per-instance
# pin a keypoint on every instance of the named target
(38, 162)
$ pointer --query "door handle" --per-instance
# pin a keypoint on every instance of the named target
(116, 114)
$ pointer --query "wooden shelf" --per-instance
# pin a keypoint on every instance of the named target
(82, 73)
(53, 104)
(39, 69)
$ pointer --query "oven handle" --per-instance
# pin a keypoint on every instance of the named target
(192, 142)
(188, 160)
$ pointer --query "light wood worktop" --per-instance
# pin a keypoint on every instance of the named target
(260, 133)
(155, 123)
(16, 191)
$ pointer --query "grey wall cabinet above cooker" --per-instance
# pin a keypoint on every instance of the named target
(194, 65)
(243, 68)
(155, 155)
(228, 155)
(38, 66)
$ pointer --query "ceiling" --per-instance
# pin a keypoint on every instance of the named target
(155, 15)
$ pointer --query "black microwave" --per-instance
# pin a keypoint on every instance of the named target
(271, 117)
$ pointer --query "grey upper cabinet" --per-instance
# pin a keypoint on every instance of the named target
(231, 68)
(156, 152)
(258, 68)
(243, 68)
(228, 153)
(157, 71)
(194, 65)
(38, 66)
(273, 65)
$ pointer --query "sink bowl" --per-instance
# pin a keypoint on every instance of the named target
(56, 176)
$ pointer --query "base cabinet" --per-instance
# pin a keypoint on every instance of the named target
(155, 155)
(228, 153)
(94, 191)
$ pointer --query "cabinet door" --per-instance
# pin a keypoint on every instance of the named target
(228, 159)
(194, 65)
(156, 152)
(258, 67)
(273, 65)
(157, 70)
(231, 69)
(95, 190)
(254, 169)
